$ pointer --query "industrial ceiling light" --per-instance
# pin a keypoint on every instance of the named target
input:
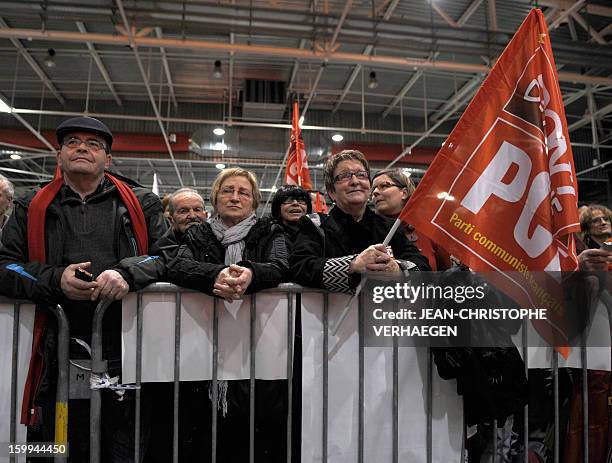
(50, 59)
(220, 166)
(217, 72)
(337, 137)
(15, 156)
(372, 82)
(220, 146)
(219, 131)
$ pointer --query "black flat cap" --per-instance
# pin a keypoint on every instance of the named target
(84, 124)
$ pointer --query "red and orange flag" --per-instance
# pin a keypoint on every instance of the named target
(297, 172)
(501, 194)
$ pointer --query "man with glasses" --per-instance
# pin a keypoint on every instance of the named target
(186, 208)
(59, 246)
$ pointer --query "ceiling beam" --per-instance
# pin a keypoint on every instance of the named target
(572, 29)
(405, 89)
(470, 10)
(296, 66)
(329, 48)
(230, 79)
(33, 64)
(601, 112)
(27, 125)
(593, 33)
(25, 172)
(185, 120)
(598, 10)
(444, 15)
(368, 49)
(134, 46)
(382, 61)
(563, 15)
(158, 34)
(492, 15)
(465, 91)
(100, 64)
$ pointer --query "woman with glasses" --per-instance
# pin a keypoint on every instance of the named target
(391, 189)
(334, 250)
(231, 254)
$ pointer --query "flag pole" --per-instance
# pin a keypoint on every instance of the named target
(275, 180)
(344, 313)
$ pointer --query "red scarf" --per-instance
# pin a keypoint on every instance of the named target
(36, 248)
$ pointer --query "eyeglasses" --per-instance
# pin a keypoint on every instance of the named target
(243, 193)
(347, 176)
(301, 202)
(92, 143)
(384, 186)
(600, 220)
(186, 210)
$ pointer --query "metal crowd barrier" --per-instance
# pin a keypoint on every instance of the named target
(99, 367)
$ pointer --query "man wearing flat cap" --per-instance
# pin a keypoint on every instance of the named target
(83, 222)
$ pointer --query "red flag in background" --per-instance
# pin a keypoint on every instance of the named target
(297, 172)
(501, 194)
(319, 203)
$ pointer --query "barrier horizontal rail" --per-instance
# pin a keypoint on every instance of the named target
(292, 289)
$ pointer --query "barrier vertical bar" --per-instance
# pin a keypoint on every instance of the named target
(215, 382)
(290, 338)
(61, 395)
(526, 410)
(177, 375)
(395, 411)
(585, 401)
(361, 381)
(555, 365)
(139, 312)
(494, 434)
(98, 368)
(252, 381)
(14, 362)
(324, 423)
(429, 449)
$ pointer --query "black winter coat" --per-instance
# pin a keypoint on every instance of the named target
(322, 254)
(197, 261)
(44, 286)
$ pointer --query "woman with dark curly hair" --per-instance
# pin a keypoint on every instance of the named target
(289, 205)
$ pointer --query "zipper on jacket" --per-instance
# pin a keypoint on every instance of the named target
(134, 246)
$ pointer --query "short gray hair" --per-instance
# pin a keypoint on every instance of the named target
(179, 192)
(8, 186)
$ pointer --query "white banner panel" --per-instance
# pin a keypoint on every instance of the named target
(196, 345)
(26, 324)
(598, 358)
(343, 396)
